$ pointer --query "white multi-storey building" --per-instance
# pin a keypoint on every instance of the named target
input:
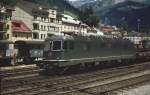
(72, 25)
(45, 23)
(33, 22)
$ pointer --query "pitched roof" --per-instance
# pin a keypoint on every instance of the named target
(20, 26)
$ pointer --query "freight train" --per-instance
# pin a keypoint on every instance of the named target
(64, 51)
(4, 58)
(23, 52)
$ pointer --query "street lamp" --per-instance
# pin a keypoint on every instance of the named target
(138, 22)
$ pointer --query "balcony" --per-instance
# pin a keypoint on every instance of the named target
(35, 21)
(2, 31)
(2, 28)
(37, 31)
(53, 32)
(3, 20)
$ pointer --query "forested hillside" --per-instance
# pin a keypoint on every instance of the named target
(61, 5)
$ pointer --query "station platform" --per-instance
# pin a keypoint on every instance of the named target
(17, 67)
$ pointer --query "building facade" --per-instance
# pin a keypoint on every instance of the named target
(26, 23)
(5, 18)
(45, 23)
(32, 22)
(110, 31)
(72, 25)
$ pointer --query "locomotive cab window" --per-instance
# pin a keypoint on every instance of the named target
(56, 46)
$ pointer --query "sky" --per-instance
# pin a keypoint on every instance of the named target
(72, 0)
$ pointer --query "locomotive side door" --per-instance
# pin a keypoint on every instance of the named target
(55, 50)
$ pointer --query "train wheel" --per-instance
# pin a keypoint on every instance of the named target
(88, 65)
(62, 70)
(82, 66)
(27, 60)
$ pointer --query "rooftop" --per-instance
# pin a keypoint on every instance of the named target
(69, 19)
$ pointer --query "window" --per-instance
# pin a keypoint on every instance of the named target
(41, 27)
(15, 35)
(51, 28)
(52, 20)
(7, 26)
(35, 17)
(21, 35)
(35, 26)
(48, 28)
(44, 27)
(7, 36)
(56, 45)
(48, 19)
(53, 12)
(41, 36)
(56, 29)
(35, 36)
(44, 18)
(27, 36)
(49, 35)
(47, 46)
(1, 27)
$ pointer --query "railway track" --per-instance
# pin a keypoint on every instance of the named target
(143, 89)
(102, 87)
(12, 73)
(86, 83)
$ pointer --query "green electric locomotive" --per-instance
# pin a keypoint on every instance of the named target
(66, 51)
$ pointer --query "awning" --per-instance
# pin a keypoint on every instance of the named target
(6, 42)
(30, 42)
(20, 26)
(35, 42)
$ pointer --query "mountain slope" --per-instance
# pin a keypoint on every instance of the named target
(129, 12)
(60, 5)
(116, 12)
(80, 3)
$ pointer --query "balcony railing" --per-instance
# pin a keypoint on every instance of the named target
(3, 20)
(53, 32)
(1, 31)
(35, 30)
(46, 21)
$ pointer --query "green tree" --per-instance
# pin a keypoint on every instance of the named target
(125, 26)
(88, 16)
(59, 15)
(8, 2)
